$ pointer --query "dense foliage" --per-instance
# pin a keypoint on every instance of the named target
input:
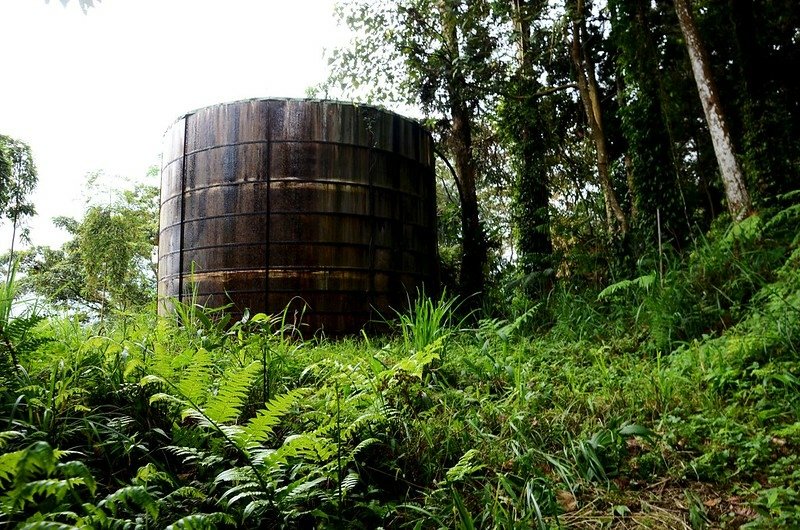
(668, 402)
(621, 127)
(107, 265)
(18, 178)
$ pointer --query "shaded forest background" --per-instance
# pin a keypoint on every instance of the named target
(573, 144)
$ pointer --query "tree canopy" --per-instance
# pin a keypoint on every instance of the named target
(591, 109)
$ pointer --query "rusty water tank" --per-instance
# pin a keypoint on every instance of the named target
(275, 203)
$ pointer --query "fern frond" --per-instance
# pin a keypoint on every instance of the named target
(415, 364)
(466, 465)
(169, 398)
(368, 419)
(37, 458)
(192, 455)
(349, 482)
(185, 492)
(642, 282)
(47, 525)
(262, 456)
(136, 495)
(19, 332)
(187, 454)
(363, 445)
(196, 374)
(52, 487)
(201, 521)
(308, 446)
(305, 488)
(235, 474)
(248, 490)
(227, 404)
(152, 379)
(256, 507)
(8, 465)
(260, 428)
(16, 499)
(76, 468)
(790, 214)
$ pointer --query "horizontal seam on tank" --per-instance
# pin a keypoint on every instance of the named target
(336, 269)
(299, 141)
(297, 180)
(234, 293)
(320, 142)
(295, 290)
(289, 212)
(295, 268)
(293, 179)
(291, 242)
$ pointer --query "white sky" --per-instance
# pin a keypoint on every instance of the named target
(96, 92)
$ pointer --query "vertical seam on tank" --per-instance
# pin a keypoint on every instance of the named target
(183, 207)
(402, 235)
(434, 274)
(268, 223)
(371, 206)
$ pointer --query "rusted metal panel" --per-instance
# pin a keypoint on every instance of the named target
(269, 205)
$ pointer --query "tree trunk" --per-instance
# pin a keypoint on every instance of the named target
(473, 252)
(11, 250)
(732, 178)
(535, 243)
(590, 97)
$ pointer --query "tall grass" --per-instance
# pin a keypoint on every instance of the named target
(429, 320)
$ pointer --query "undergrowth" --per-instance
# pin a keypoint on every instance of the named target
(665, 402)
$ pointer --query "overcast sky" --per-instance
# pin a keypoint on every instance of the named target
(96, 91)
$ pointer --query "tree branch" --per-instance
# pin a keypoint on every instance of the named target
(546, 91)
(453, 172)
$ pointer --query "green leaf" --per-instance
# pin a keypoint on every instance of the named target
(633, 429)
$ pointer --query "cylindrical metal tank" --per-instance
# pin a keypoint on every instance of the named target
(275, 203)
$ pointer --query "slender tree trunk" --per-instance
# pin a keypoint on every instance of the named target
(536, 245)
(590, 97)
(473, 254)
(11, 250)
(732, 178)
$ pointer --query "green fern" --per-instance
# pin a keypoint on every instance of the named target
(194, 456)
(16, 333)
(7, 436)
(195, 374)
(31, 491)
(184, 493)
(642, 282)
(308, 446)
(465, 466)
(47, 525)
(416, 363)
(9, 463)
(127, 496)
(227, 404)
(201, 521)
(36, 473)
(304, 489)
(243, 488)
(260, 428)
(78, 469)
